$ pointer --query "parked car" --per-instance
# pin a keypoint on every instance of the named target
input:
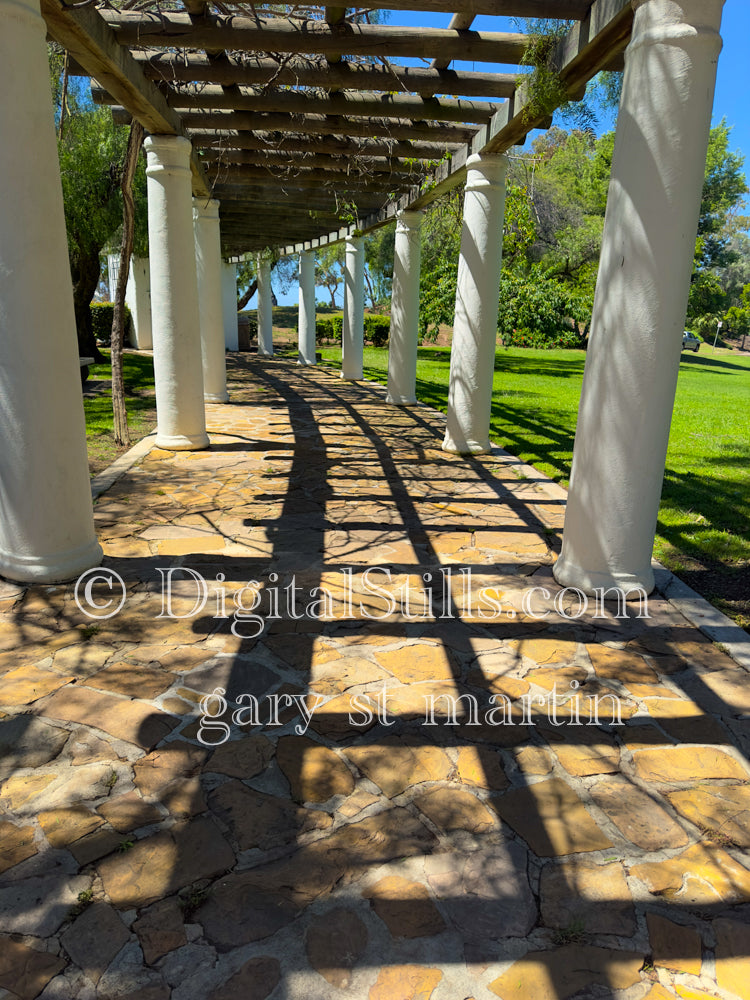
(690, 342)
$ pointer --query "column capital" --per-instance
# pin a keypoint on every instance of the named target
(486, 171)
(675, 22)
(206, 208)
(354, 242)
(167, 152)
(409, 219)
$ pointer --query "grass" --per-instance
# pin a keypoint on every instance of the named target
(703, 532)
(138, 375)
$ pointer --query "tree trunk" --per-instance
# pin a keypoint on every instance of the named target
(244, 299)
(85, 274)
(119, 410)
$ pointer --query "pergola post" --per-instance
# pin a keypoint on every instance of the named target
(229, 305)
(404, 335)
(178, 372)
(306, 308)
(353, 331)
(46, 522)
(138, 300)
(475, 323)
(639, 307)
(208, 266)
(265, 309)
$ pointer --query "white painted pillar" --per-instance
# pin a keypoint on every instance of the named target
(307, 308)
(138, 301)
(265, 309)
(46, 521)
(208, 266)
(178, 371)
(404, 336)
(229, 305)
(641, 295)
(353, 331)
(475, 322)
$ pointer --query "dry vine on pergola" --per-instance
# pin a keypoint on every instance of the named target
(304, 122)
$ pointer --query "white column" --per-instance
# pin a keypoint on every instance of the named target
(229, 305)
(404, 335)
(307, 308)
(178, 371)
(475, 322)
(208, 266)
(353, 332)
(641, 295)
(46, 521)
(265, 309)
(138, 301)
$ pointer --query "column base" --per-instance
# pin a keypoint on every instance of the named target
(306, 364)
(467, 447)
(265, 354)
(397, 400)
(351, 378)
(51, 569)
(591, 581)
(182, 442)
(222, 397)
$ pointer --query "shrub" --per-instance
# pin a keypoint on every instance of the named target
(539, 311)
(101, 315)
(328, 328)
(377, 329)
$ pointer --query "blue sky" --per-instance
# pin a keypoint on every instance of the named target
(731, 101)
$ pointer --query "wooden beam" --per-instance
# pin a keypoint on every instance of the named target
(319, 125)
(300, 103)
(459, 22)
(345, 183)
(362, 166)
(574, 10)
(301, 144)
(197, 68)
(90, 41)
(278, 35)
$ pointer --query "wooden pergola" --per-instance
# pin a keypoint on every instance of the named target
(304, 123)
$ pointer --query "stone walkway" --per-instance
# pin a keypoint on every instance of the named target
(319, 827)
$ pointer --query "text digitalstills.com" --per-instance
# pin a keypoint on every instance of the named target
(370, 596)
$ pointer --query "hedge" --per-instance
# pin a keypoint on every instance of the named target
(101, 316)
(329, 328)
(377, 329)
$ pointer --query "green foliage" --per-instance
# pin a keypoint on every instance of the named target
(377, 329)
(539, 312)
(379, 248)
(101, 315)
(329, 263)
(328, 328)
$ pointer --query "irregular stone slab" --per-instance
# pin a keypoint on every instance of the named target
(405, 982)
(674, 946)
(27, 684)
(169, 770)
(732, 959)
(729, 687)
(236, 676)
(16, 844)
(486, 894)
(533, 760)
(591, 758)
(636, 815)
(559, 974)
(237, 912)
(134, 680)
(394, 763)
(455, 809)
(356, 803)
(64, 826)
(38, 905)
(418, 662)
(594, 897)
(481, 767)
(25, 971)
(685, 721)
(551, 818)
(333, 945)
(314, 772)
(339, 717)
(131, 721)
(159, 865)
(254, 981)
(31, 793)
(259, 820)
(723, 809)
(129, 812)
(94, 938)
(85, 747)
(243, 758)
(95, 845)
(620, 665)
(405, 907)
(160, 929)
(545, 651)
(28, 742)
(687, 763)
(701, 875)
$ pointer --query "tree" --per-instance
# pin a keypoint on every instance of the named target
(329, 264)
(379, 249)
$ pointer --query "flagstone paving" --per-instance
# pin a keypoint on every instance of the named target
(331, 737)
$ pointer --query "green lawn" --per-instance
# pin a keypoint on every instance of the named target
(138, 375)
(704, 519)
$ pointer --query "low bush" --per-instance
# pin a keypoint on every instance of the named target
(377, 329)
(328, 328)
(101, 315)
